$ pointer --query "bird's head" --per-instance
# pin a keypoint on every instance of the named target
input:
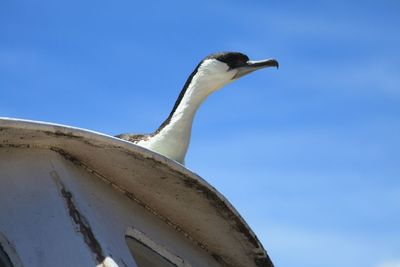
(219, 69)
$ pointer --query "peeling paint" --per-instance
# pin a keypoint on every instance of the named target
(5, 145)
(10, 254)
(130, 195)
(61, 134)
(4, 257)
(83, 225)
(80, 221)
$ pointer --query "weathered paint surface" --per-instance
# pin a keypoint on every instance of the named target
(79, 220)
(58, 214)
(65, 180)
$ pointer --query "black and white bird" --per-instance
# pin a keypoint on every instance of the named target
(172, 138)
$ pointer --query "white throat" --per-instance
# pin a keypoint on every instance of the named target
(172, 140)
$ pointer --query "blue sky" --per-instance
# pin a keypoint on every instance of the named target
(309, 154)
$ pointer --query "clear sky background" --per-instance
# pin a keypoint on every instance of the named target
(309, 154)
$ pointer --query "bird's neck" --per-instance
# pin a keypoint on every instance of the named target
(172, 138)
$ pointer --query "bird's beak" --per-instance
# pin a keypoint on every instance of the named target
(254, 65)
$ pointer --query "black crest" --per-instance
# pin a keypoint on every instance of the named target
(232, 59)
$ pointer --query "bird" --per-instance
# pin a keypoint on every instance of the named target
(172, 137)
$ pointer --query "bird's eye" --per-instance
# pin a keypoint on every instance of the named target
(238, 62)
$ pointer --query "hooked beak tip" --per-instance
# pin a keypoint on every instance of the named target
(274, 63)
